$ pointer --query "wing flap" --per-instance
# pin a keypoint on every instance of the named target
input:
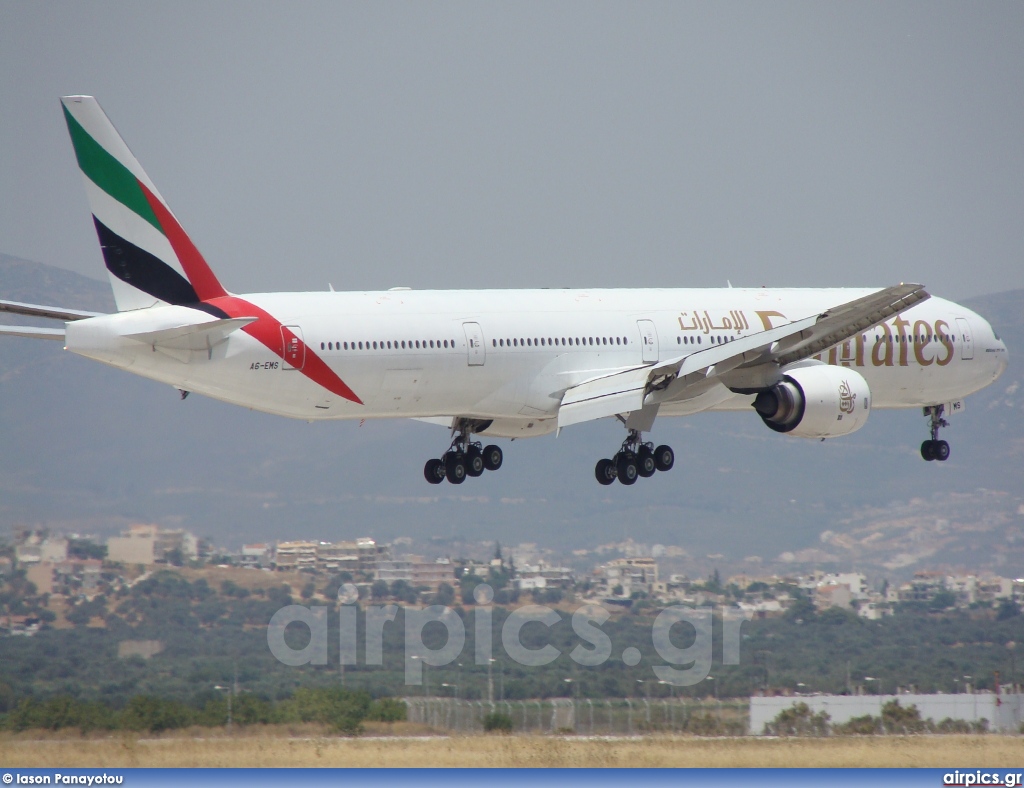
(618, 393)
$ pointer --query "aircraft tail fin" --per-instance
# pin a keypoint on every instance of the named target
(149, 257)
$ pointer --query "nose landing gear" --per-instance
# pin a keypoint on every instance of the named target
(463, 458)
(935, 449)
(634, 460)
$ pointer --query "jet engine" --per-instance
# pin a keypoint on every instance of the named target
(816, 401)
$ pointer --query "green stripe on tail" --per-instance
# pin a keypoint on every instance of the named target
(108, 173)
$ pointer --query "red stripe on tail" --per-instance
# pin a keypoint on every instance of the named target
(203, 280)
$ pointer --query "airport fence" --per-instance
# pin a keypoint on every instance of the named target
(585, 716)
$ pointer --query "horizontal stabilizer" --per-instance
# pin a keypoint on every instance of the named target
(32, 332)
(51, 312)
(179, 341)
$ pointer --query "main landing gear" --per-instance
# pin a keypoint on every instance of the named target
(635, 459)
(935, 449)
(464, 458)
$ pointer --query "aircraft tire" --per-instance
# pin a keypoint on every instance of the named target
(605, 472)
(927, 451)
(645, 463)
(455, 468)
(493, 457)
(625, 464)
(664, 458)
(433, 471)
(474, 462)
(940, 451)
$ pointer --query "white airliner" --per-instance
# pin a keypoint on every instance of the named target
(507, 363)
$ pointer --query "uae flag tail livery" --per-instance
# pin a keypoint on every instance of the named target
(150, 259)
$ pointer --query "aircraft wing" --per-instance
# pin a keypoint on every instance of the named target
(676, 378)
(32, 332)
(52, 312)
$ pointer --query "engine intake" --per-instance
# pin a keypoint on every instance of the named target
(816, 401)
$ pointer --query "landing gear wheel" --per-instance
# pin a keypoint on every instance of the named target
(492, 457)
(455, 468)
(474, 461)
(664, 458)
(935, 449)
(625, 464)
(433, 471)
(645, 464)
(605, 472)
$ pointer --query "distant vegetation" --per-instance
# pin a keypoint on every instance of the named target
(213, 635)
(895, 719)
(342, 710)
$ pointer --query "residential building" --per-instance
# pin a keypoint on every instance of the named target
(137, 545)
(35, 548)
(541, 576)
(256, 556)
(151, 544)
(295, 555)
(630, 575)
(832, 595)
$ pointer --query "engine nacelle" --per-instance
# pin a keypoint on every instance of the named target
(816, 401)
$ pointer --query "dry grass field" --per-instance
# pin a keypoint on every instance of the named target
(296, 748)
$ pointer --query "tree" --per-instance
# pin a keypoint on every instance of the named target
(308, 590)
(902, 720)
(445, 595)
(85, 548)
(497, 722)
(943, 600)
(379, 589)
(798, 720)
(403, 592)
(467, 585)
(1007, 610)
(802, 609)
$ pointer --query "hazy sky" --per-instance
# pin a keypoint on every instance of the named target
(537, 144)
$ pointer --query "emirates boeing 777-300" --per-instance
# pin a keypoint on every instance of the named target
(812, 363)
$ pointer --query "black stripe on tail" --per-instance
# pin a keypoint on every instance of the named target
(143, 270)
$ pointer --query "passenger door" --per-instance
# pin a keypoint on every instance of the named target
(966, 340)
(294, 348)
(475, 352)
(648, 340)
